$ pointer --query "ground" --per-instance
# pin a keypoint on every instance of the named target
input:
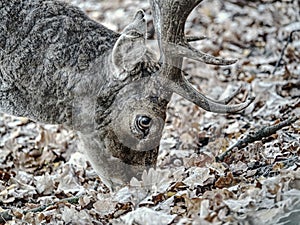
(45, 179)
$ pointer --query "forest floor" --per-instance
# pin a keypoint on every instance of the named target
(44, 179)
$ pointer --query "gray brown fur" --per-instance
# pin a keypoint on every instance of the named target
(56, 66)
(45, 48)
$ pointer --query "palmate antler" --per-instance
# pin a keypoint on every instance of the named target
(169, 19)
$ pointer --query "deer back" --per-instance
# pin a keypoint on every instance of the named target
(45, 48)
(58, 66)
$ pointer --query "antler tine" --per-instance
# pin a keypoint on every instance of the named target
(169, 19)
(223, 101)
(186, 90)
(186, 50)
(168, 28)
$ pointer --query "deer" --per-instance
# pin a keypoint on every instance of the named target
(58, 66)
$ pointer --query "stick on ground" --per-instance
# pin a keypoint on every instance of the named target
(258, 135)
(290, 40)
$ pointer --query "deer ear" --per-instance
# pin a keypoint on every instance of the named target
(130, 47)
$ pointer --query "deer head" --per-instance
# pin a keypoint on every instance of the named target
(65, 68)
(131, 139)
(122, 136)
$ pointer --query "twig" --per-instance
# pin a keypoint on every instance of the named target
(195, 38)
(267, 170)
(258, 135)
(290, 40)
(71, 200)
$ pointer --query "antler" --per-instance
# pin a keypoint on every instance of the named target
(169, 19)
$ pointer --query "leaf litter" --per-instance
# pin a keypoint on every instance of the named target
(46, 179)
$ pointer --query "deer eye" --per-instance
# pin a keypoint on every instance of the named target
(143, 123)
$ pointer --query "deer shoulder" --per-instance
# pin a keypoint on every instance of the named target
(58, 66)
